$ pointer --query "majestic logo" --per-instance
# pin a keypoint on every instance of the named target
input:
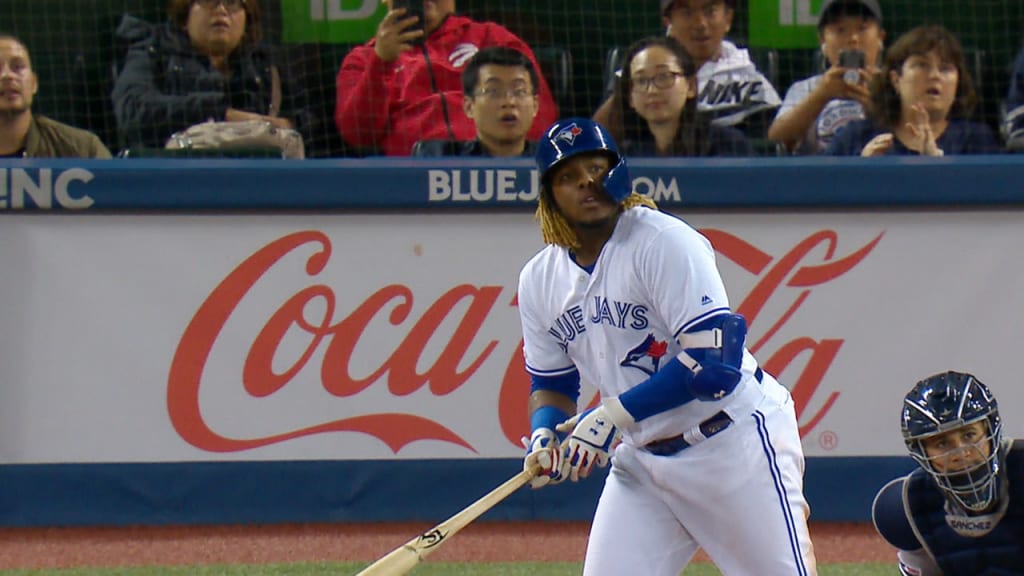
(647, 356)
(462, 53)
(569, 134)
(706, 300)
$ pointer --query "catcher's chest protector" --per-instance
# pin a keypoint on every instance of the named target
(997, 553)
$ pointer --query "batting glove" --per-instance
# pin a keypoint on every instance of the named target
(543, 451)
(590, 443)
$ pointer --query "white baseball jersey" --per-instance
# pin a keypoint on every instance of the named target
(655, 278)
(737, 494)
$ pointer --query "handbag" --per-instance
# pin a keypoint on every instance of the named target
(223, 135)
(237, 135)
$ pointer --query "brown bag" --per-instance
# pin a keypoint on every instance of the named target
(243, 134)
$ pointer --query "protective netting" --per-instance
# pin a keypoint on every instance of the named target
(77, 55)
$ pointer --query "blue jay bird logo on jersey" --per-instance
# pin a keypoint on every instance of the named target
(647, 356)
(569, 133)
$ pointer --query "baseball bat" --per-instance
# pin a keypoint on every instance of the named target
(404, 558)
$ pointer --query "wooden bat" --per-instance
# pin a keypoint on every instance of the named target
(404, 558)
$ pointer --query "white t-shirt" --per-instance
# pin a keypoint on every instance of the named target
(655, 278)
(834, 116)
(731, 88)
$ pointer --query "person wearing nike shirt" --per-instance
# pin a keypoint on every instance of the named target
(730, 88)
(405, 84)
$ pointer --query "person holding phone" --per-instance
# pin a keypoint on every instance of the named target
(816, 108)
(405, 84)
(920, 103)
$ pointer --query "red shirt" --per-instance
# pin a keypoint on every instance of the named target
(392, 105)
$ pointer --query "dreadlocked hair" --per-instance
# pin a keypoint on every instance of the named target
(555, 230)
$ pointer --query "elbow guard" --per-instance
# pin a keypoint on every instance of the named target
(720, 351)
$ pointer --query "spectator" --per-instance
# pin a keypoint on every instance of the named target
(27, 135)
(499, 87)
(817, 107)
(657, 104)
(1015, 107)
(404, 85)
(206, 63)
(920, 102)
(730, 89)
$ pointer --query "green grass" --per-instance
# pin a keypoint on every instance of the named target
(427, 569)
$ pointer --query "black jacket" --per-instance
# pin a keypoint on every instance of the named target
(164, 85)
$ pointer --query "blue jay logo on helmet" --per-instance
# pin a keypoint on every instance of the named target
(569, 133)
(571, 136)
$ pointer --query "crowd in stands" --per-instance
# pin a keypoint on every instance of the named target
(436, 83)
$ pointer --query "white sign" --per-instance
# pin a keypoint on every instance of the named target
(147, 338)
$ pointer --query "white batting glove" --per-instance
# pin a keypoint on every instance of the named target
(590, 443)
(544, 451)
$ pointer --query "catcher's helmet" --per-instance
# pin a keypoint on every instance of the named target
(572, 136)
(950, 401)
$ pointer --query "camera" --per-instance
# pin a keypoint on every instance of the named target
(853, 61)
(412, 8)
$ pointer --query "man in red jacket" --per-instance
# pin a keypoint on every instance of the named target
(405, 84)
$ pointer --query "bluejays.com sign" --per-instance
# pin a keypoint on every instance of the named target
(506, 185)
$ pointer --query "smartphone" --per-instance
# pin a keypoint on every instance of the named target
(853, 61)
(412, 8)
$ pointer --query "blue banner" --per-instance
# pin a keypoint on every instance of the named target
(384, 183)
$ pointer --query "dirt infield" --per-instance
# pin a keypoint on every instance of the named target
(480, 542)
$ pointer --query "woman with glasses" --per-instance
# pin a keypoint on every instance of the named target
(207, 62)
(656, 106)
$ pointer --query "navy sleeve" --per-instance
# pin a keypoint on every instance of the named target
(982, 140)
(728, 141)
(890, 517)
(848, 141)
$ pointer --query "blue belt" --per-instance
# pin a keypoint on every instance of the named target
(713, 425)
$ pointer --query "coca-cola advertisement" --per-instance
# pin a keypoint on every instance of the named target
(150, 338)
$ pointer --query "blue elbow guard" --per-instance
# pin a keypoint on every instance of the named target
(717, 373)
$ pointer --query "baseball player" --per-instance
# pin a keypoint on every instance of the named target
(962, 511)
(629, 299)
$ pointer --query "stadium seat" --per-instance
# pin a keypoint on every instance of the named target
(556, 66)
(767, 61)
(611, 68)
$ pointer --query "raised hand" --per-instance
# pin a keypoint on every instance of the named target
(394, 37)
(834, 87)
(921, 132)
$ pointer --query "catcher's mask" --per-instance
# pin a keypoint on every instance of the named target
(946, 402)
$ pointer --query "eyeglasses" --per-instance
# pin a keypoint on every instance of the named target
(231, 5)
(660, 80)
(518, 94)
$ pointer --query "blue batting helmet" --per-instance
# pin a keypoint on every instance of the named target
(572, 136)
(950, 401)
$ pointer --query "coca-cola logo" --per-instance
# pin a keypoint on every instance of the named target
(339, 333)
